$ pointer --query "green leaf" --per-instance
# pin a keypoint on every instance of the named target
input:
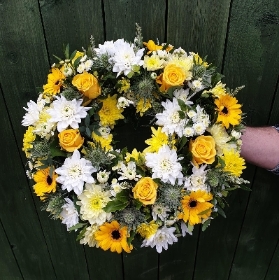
(55, 150)
(181, 115)
(245, 188)
(182, 104)
(66, 51)
(137, 204)
(183, 141)
(115, 205)
(131, 237)
(123, 196)
(77, 61)
(73, 55)
(58, 58)
(221, 211)
(87, 120)
(204, 212)
(77, 226)
(81, 234)
(88, 132)
(206, 224)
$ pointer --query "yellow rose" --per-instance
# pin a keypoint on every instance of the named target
(145, 191)
(87, 84)
(172, 76)
(70, 139)
(203, 150)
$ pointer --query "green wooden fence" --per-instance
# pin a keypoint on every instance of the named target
(240, 37)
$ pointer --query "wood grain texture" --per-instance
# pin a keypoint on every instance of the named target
(121, 16)
(8, 265)
(71, 22)
(199, 26)
(17, 211)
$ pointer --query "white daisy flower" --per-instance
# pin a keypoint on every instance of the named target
(161, 239)
(199, 128)
(69, 214)
(102, 176)
(188, 131)
(88, 64)
(81, 68)
(128, 172)
(183, 94)
(165, 165)
(169, 119)
(197, 181)
(75, 172)
(67, 113)
(92, 201)
(123, 102)
(159, 210)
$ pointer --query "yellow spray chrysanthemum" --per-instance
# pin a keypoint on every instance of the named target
(147, 230)
(219, 89)
(45, 182)
(135, 155)
(199, 60)
(112, 236)
(109, 112)
(151, 46)
(157, 140)
(105, 142)
(124, 85)
(234, 163)
(54, 81)
(195, 204)
(28, 139)
(152, 63)
(143, 105)
(229, 111)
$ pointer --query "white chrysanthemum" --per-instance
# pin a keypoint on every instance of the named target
(199, 128)
(201, 116)
(107, 48)
(32, 115)
(116, 187)
(88, 64)
(197, 181)
(153, 62)
(89, 236)
(161, 239)
(165, 165)
(196, 85)
(169, 119)
(236, 134)
(92, 201)
(124, 57)
(103, 176)
(123, 102)
(185, 229)
(128, 171)
(159, 210)
(221, 138)
(81, 68)
(183, 94)
(188, 131)
(104, 131)
(83, 59)
(75, 172)
(67, 113)
(191, 114)
(44, 126)
(69, 214)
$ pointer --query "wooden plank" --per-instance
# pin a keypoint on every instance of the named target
(104, 265)
(178, 262)
(146, 261)
(199, 26)
(121, 16)
(71, 22)
(260, 230)
(29, 68)
(17, 211)
(8, 266)
(273, 269)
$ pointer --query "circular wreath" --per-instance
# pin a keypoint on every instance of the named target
(94, 103)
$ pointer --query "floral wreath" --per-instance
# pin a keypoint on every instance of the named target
(111, 195)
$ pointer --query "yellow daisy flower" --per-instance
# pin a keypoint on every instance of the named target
(234, 163)
(54, 82)
(45, 183)
(109, 112)
(147, 230)
(104, 142)
(143, 106)
(194, 204)
(229, 111)
(158, 139)
(28, 138)
(112, 236)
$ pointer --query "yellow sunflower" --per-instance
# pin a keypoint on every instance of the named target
(112, 236)
(109, 112)
(54, 81)
(196, 207)
(228, 110)
(234, 163)
(45, 182)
